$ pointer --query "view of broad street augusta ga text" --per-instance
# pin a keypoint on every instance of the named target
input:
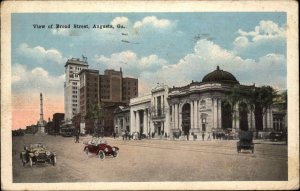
(143, 97)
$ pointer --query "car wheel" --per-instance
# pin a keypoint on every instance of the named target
(115, 153)
(54, 160)
(86, 150)
(101, 155)
(30, 161)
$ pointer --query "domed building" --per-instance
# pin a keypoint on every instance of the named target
(217, 103)
(212, 105)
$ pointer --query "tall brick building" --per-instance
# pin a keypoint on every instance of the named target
(109, 89)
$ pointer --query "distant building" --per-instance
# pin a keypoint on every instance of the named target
(49, 128)
(57, 120)
(31, 129)
(71, 87)
(129, 89)
(89, 89)
(110, 90)
(116, 88)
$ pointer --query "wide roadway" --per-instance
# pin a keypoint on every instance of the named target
(152, 160)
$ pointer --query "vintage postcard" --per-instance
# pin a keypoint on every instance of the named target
(149, 95)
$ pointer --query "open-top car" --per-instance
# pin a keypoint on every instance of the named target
(37, 154)
(245, 142)
(100, 147)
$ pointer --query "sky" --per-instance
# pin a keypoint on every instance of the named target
(168, 48)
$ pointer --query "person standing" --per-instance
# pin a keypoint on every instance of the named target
(77, 136)
(203, 135)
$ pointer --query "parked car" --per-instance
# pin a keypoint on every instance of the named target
(245, 142)
(37, 154)
(100, 147)
(276, 136)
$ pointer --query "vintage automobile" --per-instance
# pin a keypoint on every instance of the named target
(245, 142)
(37, 154)
(100, 147)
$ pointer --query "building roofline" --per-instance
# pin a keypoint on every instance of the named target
(76, 61)
(88, 70)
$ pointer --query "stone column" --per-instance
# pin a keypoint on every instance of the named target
(192, 114)
(144, 121)
(179, 116)
(137, 126)
(219, 113)
(196, 124)
(237, 116)
(253, 120)
(216, 113)
(213, 113)
(271, 118)
(132, 120)
(264, 121)
(173, 116)
(176, 116)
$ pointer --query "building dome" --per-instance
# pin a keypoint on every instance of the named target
(220, 76)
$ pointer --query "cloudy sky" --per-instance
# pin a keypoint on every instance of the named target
(170, 48)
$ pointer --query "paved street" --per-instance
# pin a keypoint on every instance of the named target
(153, 160)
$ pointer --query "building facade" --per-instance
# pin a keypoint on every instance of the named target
(107, 90)
(71, 87)
(121, 120)
(89, 89)
(129, 89)
(149, 114)
(204, 107)
(140, 108)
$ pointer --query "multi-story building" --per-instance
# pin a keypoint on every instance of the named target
(89, 89)
(89, 96)
(71, 87)
(149, 113)
(108, 89)
(129, 89)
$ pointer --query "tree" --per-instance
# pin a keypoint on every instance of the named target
(95, 113)
(264, 97)
(233, 97)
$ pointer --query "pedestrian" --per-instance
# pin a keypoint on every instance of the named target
(77, 136)
(214, 135)
(126, 134)
(114, 134)
(123, 135)
(208, 138)
(203, 135)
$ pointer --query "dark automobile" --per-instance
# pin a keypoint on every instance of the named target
(245, 142)
(37, 154)
(276, 136)
(67, 132)
(100, 147)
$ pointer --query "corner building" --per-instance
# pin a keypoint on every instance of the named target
(71, 87)
(204, 107)
(199, 108)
